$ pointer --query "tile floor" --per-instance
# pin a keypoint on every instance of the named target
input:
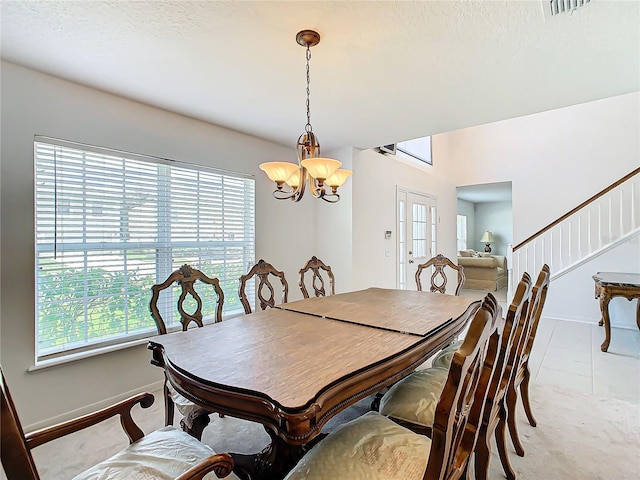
(567, 354)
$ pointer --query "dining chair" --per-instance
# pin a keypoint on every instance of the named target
(439, 276)
(495, 417)
(373, 446)
(317, 266)
(520, 361)
(194, 417)
(439, 285)
(262, 270)
(167, 453)
(494, 421)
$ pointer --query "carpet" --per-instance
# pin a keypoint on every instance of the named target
(579, 436)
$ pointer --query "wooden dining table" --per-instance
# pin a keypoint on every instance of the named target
(293, 367)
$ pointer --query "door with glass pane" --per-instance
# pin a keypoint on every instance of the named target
(417, 221)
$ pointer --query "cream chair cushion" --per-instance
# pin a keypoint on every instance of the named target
(162, 455)
(414, 398)
(371, 447)
(445, 356)
(189, 410)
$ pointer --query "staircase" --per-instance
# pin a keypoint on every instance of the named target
(607, 219)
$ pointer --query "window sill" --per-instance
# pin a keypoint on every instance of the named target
(53, 362)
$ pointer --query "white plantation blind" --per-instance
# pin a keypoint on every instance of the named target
(110, 224)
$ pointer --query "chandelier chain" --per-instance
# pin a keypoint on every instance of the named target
(308, 128)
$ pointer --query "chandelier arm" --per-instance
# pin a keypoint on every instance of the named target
(314, 187)
(331, 197)
(303, 183)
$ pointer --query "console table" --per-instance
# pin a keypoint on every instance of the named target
(613, 284)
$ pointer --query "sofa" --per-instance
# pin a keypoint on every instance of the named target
(483, 271)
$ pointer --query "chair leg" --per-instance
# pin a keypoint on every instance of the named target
(482, 455)
(168, 407)
(524, 392)
(375, 403)
(198, 425)
(512, 398)
(501, 442)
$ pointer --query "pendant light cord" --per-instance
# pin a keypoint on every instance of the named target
(308, 128)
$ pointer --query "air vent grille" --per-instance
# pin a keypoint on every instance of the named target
(556, 7)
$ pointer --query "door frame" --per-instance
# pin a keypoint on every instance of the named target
(401, 257)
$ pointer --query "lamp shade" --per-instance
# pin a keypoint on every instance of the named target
(321, 167)
(487, 237)
(278, 172)
(294, 180)
(338, 178)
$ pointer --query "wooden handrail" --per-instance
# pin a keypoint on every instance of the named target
(582, 205)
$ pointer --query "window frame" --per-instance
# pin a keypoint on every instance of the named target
(166, 251)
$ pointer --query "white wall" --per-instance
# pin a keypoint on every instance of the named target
(334, 228)
(376, 177)
(555, 161)
(577, 289)
(34, 103)
(498, 218)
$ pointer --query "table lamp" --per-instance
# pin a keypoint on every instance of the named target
(487, 239)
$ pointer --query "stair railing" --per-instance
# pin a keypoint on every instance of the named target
(593, 227)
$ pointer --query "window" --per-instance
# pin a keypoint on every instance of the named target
(461, 232)
(418, 148)
(110, 224)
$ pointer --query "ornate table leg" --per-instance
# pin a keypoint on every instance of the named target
(273, 463)
(604, 308)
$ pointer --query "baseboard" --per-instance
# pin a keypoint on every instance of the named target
(152, 387)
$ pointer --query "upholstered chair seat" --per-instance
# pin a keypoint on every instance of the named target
(161, 455)
(443, 357)
(414, 398)
(371, 447)
(189, 410)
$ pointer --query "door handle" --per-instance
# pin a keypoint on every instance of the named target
(410, 261)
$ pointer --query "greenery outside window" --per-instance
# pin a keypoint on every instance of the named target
(110, 224)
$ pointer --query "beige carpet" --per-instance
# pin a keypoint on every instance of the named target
(579, 436)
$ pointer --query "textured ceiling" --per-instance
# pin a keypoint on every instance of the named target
(383, 71)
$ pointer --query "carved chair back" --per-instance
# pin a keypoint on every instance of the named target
(495, 410)
(439, 276)
(519, 361)
(17, 460)
(538, 298)
(317, 281)
(513, 337)
(262, 270)
(454, 433)
(186, 276)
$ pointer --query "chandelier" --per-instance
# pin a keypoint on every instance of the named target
(320, 173)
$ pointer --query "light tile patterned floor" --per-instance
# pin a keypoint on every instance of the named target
(567, 354)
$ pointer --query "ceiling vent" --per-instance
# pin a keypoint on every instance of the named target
(556, 7)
